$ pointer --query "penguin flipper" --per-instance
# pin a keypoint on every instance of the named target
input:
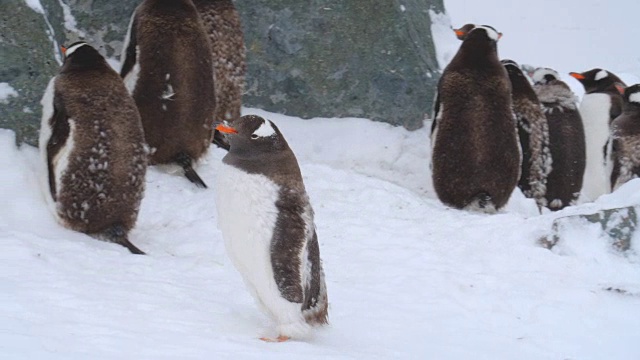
(185, 161)
(118, 235)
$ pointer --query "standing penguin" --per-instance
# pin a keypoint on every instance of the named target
(476, 155)
(533, 131)
(626, 137)
(166, 65)
(600, 105)
(566, 138)
(222, 23)
(92, 142)
(267, 224)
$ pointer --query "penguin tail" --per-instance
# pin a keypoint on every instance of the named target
(185, 162)
(220, 141)
(117, 234)
(482, 202)
(318, 314)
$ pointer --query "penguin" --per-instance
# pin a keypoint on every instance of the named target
(267, 224)
(476, 155)
(533, 132)
(166, 66)
(222, 23)
(92, 145)
(566, 138)
(600, 104)
(626, 136)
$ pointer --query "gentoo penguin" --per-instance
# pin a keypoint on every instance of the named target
(566, 138)
(266, 220)
(600, 104)
(533, 132)
(166, 66)
(92, 143)
(476, 155)
(222, 23)
(626, 137)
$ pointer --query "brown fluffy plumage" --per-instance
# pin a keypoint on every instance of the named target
(566, 139)
(533, 131)
(96, 132)
(222, 23)
(167, 67)
(476, 155)
(626, 137)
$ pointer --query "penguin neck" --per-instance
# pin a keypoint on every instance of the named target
(478, 52)
(85, 63)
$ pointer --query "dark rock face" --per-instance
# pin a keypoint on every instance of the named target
(27, 62)
(373, 59)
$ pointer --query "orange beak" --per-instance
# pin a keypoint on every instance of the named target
(459, 32)
(620, 88)
(226, 129)
(577, 75)
(64, 50)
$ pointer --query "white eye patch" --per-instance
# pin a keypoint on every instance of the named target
(635, 98)
(490, 32)
(72, 49)
(601, 75)
(540, 73)
(264, 130)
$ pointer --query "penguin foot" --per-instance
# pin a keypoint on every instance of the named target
(118, 235)
(184, 161)
(280, 338)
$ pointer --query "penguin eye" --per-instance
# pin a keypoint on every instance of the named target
(254, 136)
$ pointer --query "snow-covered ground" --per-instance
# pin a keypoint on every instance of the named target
(407, 277)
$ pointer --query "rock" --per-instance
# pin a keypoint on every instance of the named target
(335, 58)
(618, 224)
(27, 62)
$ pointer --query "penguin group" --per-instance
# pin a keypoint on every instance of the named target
(498, 125)
(179, 91)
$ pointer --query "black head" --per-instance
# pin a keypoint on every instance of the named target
(81, 54)
(513, 69)
(461, 33)
(631, 94)
(253, 136)
(544, 76)
(597, 80)
(486, 31)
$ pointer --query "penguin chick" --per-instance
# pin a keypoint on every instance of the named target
(626, 136)
(92, 143)
(533, 132)
(166, 66)
(266, 220)
(476, 155)
(566, 138)
(224, 28)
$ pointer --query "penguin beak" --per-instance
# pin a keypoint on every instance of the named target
(459, 33)
(577, 75)
(620, 88)
(64, 50)
(499, 35)
(226, 129)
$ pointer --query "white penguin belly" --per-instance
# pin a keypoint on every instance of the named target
(594, 111)
(246, 217)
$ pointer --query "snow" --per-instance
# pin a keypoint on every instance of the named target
(6, 91)
(35, 5)
(70, 21)
(407, 277)
(566, 36)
